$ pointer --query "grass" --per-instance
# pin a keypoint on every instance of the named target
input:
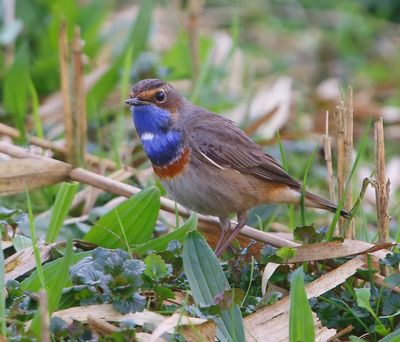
(256, 44)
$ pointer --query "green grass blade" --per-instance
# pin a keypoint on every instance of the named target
(304, 189)
(2, 294)
(36, 251)
(138, 216)
(62, 275)
(159, 244)
(15, 93)
(55, 287)
(50, 271)
(360, 153)
(286, 168)
(128, 246)
(301, 322)
(60, 210)
(207, 279)
(35, 110)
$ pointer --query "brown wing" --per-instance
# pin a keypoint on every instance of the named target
(228, 146)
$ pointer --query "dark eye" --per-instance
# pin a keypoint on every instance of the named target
(160, 96)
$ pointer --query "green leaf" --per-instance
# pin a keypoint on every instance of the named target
(363, 296)
(138, 216)
(301, 322)
(50, 270)
(307, 234)
(16, 88)
(393, 280)
(156, 269)
(285, 253)
(393, 337)
(207, 280)
(60, 209)
(36, 252)
(2, 294)
(55, 287)
(161, 243)
(355, 339)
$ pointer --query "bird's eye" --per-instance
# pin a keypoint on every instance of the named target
(160, 96)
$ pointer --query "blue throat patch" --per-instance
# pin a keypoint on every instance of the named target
(160, 143)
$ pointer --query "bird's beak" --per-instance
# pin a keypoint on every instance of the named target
(136, 102)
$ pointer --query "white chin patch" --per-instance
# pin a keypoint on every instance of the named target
(147, 136)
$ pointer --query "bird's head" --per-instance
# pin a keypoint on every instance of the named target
(155, 107)
(155, 94)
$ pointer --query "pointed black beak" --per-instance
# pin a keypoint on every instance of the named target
(136, 102)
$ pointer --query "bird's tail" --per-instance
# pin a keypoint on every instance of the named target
(316, 201)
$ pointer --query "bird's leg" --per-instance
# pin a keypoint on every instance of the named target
(242, 219)
(225, 223)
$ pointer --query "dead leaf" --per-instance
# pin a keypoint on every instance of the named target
(23, 261)
(17, 174)
(206, 331)
(197, 327)
(145, 337)
(258, 325)
(331, 250)
(106, 312)
(277, 330)
(101, 326)
(267, 274)
(275, 99)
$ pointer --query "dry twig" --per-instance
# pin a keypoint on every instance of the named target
(382, 185)
(73, 91)
(49, 145)
(344, 121)
(328, 158)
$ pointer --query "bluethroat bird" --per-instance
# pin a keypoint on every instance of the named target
(206, 163)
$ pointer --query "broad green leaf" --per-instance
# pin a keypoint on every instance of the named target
(50, 270)
(363, 296)
(161, 243)
(156, 268)
(2, 294)
(60, 209)
(301, 322)
(55, 287)
(138, 216)
(207, 280)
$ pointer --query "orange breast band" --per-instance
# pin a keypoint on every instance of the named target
(174, 168)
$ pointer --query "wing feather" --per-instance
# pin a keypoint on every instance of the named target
(221, 141)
